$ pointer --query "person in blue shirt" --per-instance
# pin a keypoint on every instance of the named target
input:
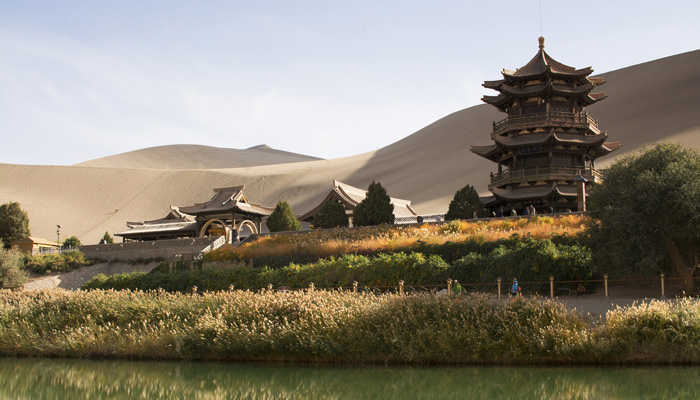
(515, 288)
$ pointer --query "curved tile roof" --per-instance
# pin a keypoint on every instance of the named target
(543, 64)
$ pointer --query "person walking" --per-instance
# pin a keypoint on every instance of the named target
(515, 289)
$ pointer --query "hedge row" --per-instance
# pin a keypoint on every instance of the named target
(528, 260)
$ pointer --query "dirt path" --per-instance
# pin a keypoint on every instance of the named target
(74, 279)
(595, 304)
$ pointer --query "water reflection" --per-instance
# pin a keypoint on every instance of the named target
(83, 379)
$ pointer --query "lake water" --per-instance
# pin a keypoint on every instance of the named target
(86, 379)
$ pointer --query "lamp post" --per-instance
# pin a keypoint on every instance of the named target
(58, 234)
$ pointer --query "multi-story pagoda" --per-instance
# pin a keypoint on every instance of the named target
(548, 142)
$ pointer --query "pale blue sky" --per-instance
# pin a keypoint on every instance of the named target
(87, 79)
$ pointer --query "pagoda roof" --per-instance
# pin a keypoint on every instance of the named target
(534, 193)
(509, 93)
(549, 138)
(226, 200)
(175, 215)
(164, 227)
(542, 64)
(351, 196)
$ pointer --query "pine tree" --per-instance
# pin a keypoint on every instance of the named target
(14, 223)
(463, 205)
(375, 209)
(331, 215)
(283, 219)
(107, 238)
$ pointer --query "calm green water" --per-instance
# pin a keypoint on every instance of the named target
(81, 379)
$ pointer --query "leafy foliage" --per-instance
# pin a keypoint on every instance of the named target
(72, 242)
(107, 238)
(464, 204)
(647, 212)
(331, 215)
(375, 209)
(12, 273)
(56, 262)
(528, 259)
(14, 223)
(283, 219)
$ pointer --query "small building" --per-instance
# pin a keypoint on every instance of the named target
(32, 245)
(547, 144)
(226, 214)
(350, 197)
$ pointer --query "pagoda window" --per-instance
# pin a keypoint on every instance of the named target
(535, 109)
(566, 160)
(534, 160)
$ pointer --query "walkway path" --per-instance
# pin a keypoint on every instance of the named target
(596, 304)
(74, 279)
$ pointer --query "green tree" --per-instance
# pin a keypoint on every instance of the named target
(646, 213)
(14, 223)
(283, 219)
(463, 205)
(12, 273)
(331, 215)
(107, 238)
(375, 209)
(72, 241)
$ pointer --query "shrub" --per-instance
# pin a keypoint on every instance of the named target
(12, 273)
(57, 262)
(331, 215)
(375, 209)
(283, 219)
(72, 242)
(107, 238)
(529, 260)
(464, 204)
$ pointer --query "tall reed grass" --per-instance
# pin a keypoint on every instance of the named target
(342, 327)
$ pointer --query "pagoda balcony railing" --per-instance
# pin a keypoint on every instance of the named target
(545, 173)
(564, 119)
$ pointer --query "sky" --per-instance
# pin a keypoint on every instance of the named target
(81, 80)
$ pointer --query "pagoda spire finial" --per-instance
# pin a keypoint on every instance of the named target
(541, 40)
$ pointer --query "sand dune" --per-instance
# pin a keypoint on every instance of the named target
(647, 103)
(182, 156)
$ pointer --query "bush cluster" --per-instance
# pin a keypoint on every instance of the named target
(528, 260)
(12, 273)
(56, 262)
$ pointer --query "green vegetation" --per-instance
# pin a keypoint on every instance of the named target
(283, 219)
(325, 326)
(72, 242)
(56, 262)
(331, 215)
(282, 249)
(472, 262)
(107, 238)
(647, 213)
(12, 273)
(464, 204)
(375, 209)
(14, 223)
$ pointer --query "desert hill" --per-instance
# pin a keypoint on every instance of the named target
(650, 102)
(183, 156)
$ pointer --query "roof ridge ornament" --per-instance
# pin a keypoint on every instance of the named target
(541, 41)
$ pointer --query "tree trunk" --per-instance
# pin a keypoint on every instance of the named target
(685, 266)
